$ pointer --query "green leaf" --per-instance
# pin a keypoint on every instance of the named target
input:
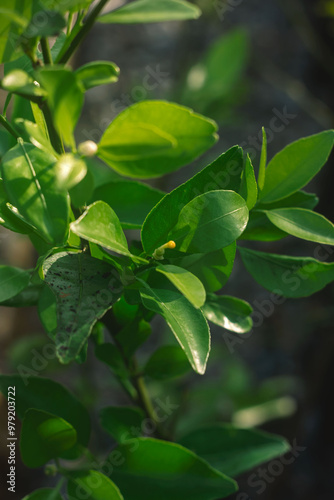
(187, 323)
(288, 276)
(133, 335)
(49, 396)
(110, 355)
(12, 281)
(26, 298)
(294, 166)
(47, 310)
(81, 193)
(187, 283)
(36, 135)
(248, 188)
(212, 269)
(67, 5)
(167, 362)
(30, 184)
(19, 82)
(303, 224)
(263, 161)
(132, 201)
(146, 11)
(152, 138)
(259, 228)
(52, 24)
(65, 99)
(69, 171)
(223, 173)
(97, 73)
(229, 312)
(300, 199)
(152, 469)
(44, 436)
(119, 420)
(233, 450)
(85, 288)
(44, 494)
(209, 222)
(93, 485)
(13, 19)
(99, 224)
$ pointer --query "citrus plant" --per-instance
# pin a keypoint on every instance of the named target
(74, 203)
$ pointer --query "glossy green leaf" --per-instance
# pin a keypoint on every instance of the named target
(223, 173)
(167, 362)
(263, 161)
(209, 222)
(233, 450)
(212, 269)
(131, 200)
(303, 224)
(44, 436)
(294, 166)
(47, 309)
(187, 283)
(99, 224)
(153, 469)
(36, 135)
(288, 276)
(44, 494)
(187, 323)
(259, 228)
(69, 171)
(64, 97)
(92, 485)
(85, 289)
(300, 199)
(30, 184)
(146, 11)
(152, 138)
(118, 421)
(229, 312)
(28, 297)
(97, 73)
(49, 396)
(19, 82)
(12, 281)
(248, 188)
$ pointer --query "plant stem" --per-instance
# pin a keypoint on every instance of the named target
(53, 134)
(46, 51)
(83, 32)
(5, 123)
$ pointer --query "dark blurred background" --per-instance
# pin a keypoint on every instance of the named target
(243, 63)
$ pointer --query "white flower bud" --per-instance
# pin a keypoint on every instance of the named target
(87, 148)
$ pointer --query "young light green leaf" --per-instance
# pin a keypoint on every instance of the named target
(229, 312)
(223, 173)
(69, 171)
(48, 396)
(131, 200)
(31, 187)
(187, 283)
(100, 225)
(288, 276)
(186, 322)
(209, 222)
(233, 450)
(166, 363)
(146, 11)
(294, 166)
(118, 421)
(19, 82)
(97, 73)
(154, 469)
(65, 96)
(303, 224)
(152, 138)
(248, 188)
(14, 17)
(44, 494)
(212, 269)
(93, 485)
(12, 281)
(85, 289)
(36, 135)
(44, 436)
(263, 161)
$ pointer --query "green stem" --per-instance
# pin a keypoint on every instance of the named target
(5, 123)
(46, 51)
(83, 32)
